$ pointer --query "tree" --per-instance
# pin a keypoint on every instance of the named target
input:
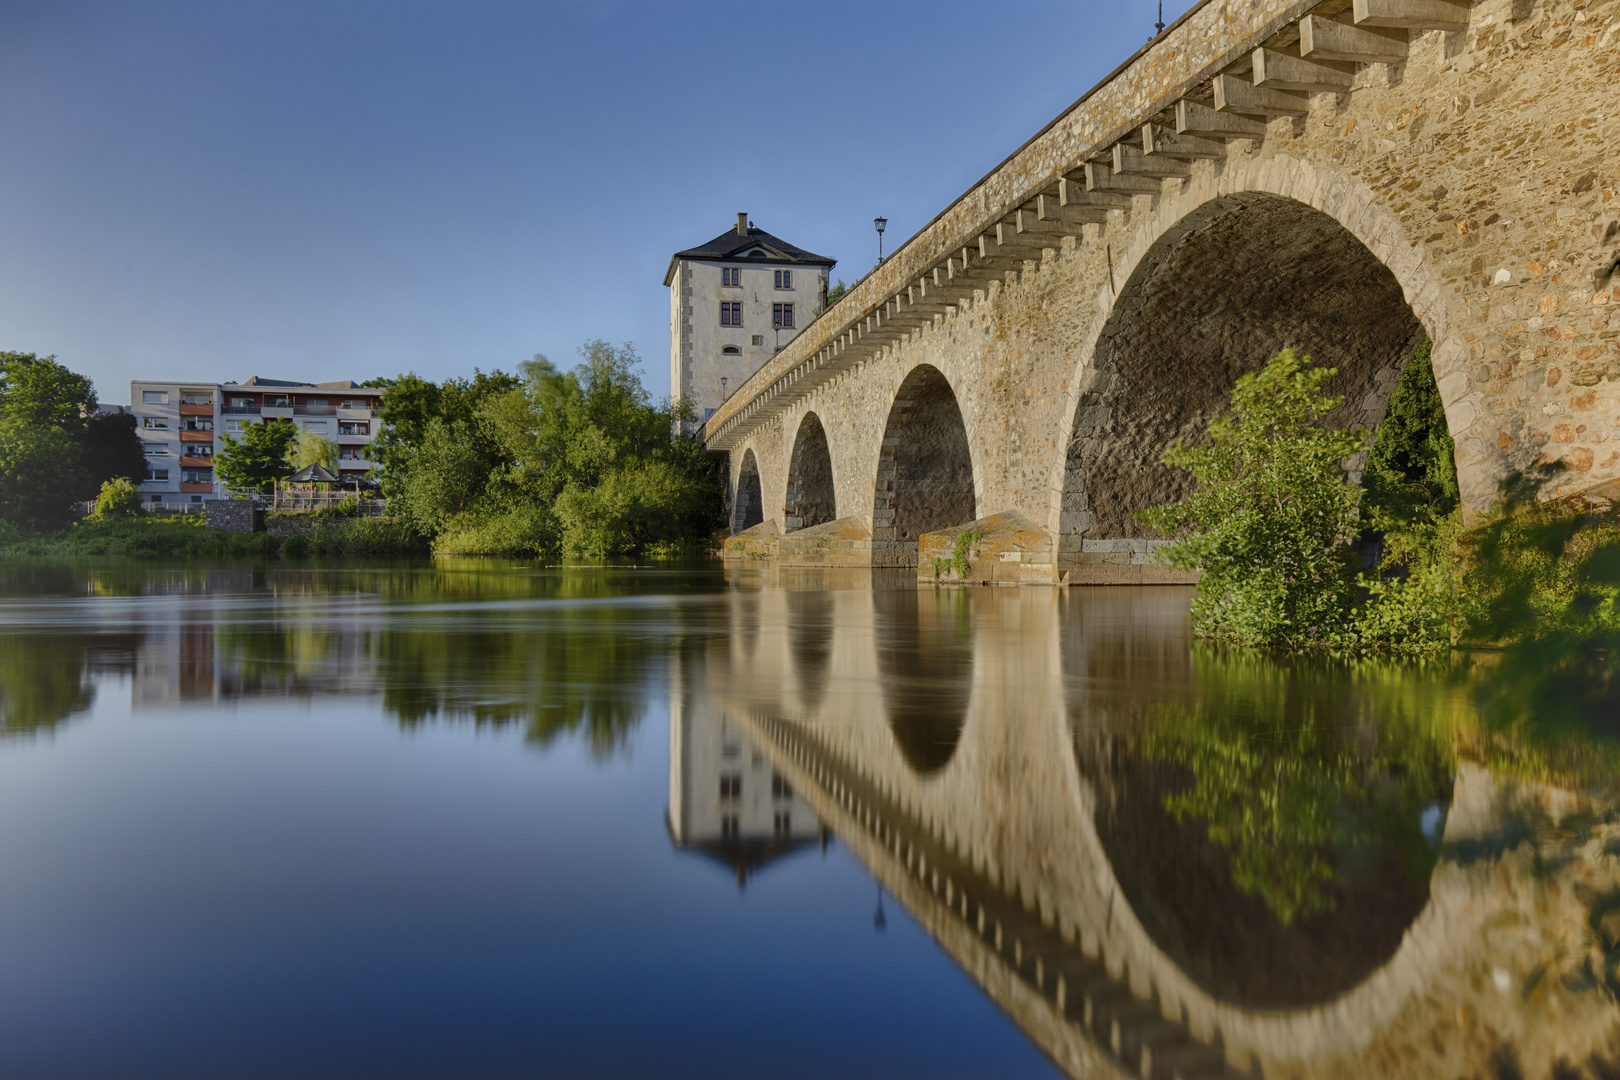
(44, 409)
(259, 458)
(119, 498)
(444, 475)
(1272, 518)
(313, 449)
(112, 449)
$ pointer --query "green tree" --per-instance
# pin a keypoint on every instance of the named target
(314, 449)
(259, 458)
(443, 475)
(118, 498)
(44, 414)
(112, 449)
(1273, 514)
(411, 403)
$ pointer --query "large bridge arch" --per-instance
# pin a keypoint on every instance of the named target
(1266, 254)
(812, 495)
(748, 497)
(924, 475)
(1272, 254)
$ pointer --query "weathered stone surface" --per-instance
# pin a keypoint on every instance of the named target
(1007, 549)
(1467, 193)
(845, 542)
(757, 542)
(233, 515)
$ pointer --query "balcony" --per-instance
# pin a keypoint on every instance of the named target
(239, 410)
(196, 461)
(314, 410)
(187, 487)
(196, 436)
(188, 409)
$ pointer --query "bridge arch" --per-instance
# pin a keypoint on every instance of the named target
(748, 501)
(1219, 279)
(811, 495)
(924, 470)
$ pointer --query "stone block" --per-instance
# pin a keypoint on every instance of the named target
(233, 515)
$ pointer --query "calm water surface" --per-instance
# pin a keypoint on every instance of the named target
(485, 820)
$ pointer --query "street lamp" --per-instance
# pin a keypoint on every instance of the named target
(878, 223)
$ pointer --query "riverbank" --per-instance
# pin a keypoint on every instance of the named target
(188, 537)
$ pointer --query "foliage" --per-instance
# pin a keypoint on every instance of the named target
(1411, 474)
(312, 448)
(411, 404)
(836, 293)
(1547, 575)
(959, 556)
(1305, 773)
(1272, 517)
(118, 499)
(577, 463)
(259, 458)
(358, 537)
(144, 537)
(54, 448)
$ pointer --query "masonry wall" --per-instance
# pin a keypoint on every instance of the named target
(1479, 173)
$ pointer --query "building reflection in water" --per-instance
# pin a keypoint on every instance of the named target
(1160, 860)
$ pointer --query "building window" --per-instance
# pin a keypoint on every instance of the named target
(197, 423)
(318, 426)
(154, 423)
(350, 453)
(201, 449)
(156, 474)
(155, 498)
(731, 277)
(759, 339)
(273, 401)
(352, 428)
(782, 316)
(242, 402)
(731, 313)
(731, 786)
(196, 498)
(196, 397)
(780, 789)
(154, 397)
(783, 823)
(784, 279)
(730, 750)
(155, 449)
(197, 476)
(238, 425)
(354, 403)
(728, 827)
(731, 350)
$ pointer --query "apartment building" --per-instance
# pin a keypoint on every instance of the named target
(180, 423)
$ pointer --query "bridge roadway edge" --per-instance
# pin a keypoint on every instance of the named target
(1519, 360)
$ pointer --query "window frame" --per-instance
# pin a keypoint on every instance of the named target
(731, 277)
(731, 313)
(782, 316)
(784, 279)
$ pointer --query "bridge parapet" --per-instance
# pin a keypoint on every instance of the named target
(1179, 91)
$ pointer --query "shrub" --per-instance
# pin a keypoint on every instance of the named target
(359, 537)
(1272, 516)
(118, 499)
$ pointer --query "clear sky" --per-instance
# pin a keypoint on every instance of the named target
(341, 189)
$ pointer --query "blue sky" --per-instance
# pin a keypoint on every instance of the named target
(345, 189)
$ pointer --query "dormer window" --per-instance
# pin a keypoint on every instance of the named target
(784, 279)
(731, 277)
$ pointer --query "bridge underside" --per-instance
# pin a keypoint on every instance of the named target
(992, 402)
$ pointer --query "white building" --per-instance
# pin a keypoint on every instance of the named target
(733, 302)
(179, 423)
(725, 799)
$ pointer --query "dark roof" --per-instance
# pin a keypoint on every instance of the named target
(731, 245)
(312, 474)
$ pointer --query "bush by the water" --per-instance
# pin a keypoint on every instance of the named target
(369, 537)
(1275, 521)
(576, 463)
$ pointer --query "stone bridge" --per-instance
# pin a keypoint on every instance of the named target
(980, 779)
(1348, 177)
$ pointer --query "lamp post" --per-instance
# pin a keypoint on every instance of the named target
(878, 223)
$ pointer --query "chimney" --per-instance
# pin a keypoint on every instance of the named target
(742, 224)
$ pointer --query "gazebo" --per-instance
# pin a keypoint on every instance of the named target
(310, 488)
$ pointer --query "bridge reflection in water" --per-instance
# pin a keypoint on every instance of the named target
(1159, 861)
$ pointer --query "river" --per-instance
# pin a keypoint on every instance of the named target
(485, 819)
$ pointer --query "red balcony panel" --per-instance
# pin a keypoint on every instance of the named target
(196, 436)
(196, 410)
(188, 488)
(196, 462)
